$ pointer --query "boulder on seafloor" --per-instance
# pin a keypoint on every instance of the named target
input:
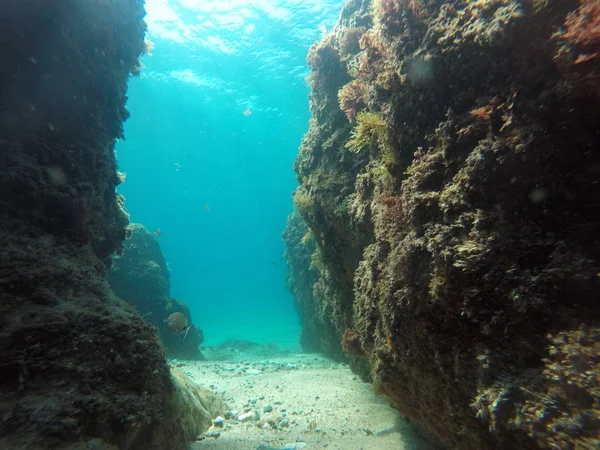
(140, 277)
(196, 405)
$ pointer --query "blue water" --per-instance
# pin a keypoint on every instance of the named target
(216, 181)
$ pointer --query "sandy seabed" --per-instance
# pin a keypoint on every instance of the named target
(295, 400)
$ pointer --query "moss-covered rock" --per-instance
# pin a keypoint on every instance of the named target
(79, 368)
(464, 245)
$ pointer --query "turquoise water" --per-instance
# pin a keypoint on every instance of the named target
(216, 181)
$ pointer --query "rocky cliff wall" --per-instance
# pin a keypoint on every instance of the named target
(449, 180)
(78, 367)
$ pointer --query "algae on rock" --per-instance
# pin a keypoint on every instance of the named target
(463, 269)
(79, 368)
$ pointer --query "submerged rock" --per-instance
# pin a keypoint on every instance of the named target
(449, 192)
(319, 332)
(250, 415)
(194, 406)
(79, 368)
(140, 276)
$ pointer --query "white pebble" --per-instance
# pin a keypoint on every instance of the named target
(247, 416)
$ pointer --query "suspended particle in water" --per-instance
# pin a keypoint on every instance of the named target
(57, 175)
(538, 195)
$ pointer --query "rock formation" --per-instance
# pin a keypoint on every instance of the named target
(140, 276)
(318, 332)
(449, 180)
(78, 367)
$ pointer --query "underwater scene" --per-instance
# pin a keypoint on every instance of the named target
(217, 115)
(300, 224)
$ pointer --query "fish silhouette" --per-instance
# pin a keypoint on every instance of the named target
(177, 323)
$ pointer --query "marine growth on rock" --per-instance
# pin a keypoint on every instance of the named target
(455, 262)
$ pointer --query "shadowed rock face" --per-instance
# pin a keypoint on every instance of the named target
(77, 365)
(140, 276)
(453, 229)
(318, 331)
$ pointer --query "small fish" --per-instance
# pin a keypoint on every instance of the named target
(158, 232)
(177, 323)
(247, 112)
(206, 207)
